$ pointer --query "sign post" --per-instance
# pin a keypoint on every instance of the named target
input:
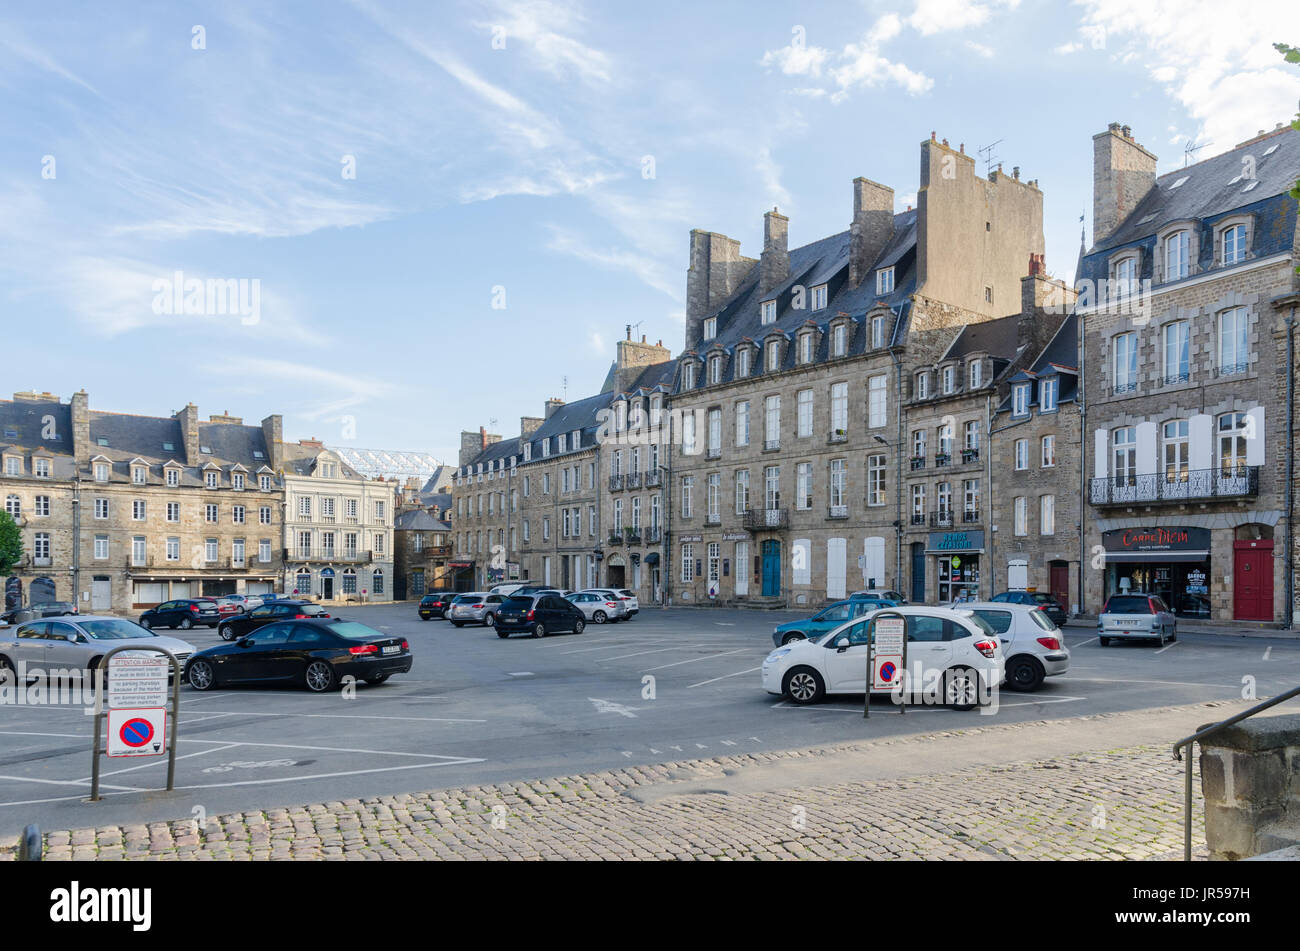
(135, 707)
(886, 658)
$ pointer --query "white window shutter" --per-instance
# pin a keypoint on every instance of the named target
(1101, 453)
(1017, 575)
(836, 576)
(1201, 434)
(1148, 452)
(1256, 443)
(874, 550)
(801, 561)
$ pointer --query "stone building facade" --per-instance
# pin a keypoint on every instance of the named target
(1182, 301)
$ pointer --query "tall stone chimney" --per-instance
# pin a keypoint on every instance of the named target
(529, 425)
(80, 406)
(633, 357)
(471, 444)
(872, 228)
(716, 270)
(1123, 172)
(552, 405)
(188, 418)
(273, 436)
(774, 265)
(1044, 303)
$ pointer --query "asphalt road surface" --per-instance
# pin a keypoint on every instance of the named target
(479, 709)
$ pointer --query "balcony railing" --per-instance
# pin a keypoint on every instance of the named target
(918, 518)
(326, 554)
(838, 435)
(1232, 369)
(654, 479)
(941, 519)
(970, 515)
(1124, 387)
(918, 462)
(1173, 379)
(771, 444)
(614, 539)
(632, 535)
(632, 480)
(1157, 487)
(615, 483)
(970, 455)
(942, 458)
(758, 520)
(837, 511)
(653, 536)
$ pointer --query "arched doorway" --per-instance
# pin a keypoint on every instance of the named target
(615, 572)
(327, 584)
(771, 554)
(42, 591)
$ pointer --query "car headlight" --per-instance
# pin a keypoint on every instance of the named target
(778, 654)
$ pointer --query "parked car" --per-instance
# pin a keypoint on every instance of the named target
(477, 607)
(316, 652)
(826, 619)
(953, 649)
(506, 588)
(539, 615)
(233, 628)
(1136, 616)
(598, 608)
(36, 611)
(628, 598)
(1036, 599)
(184, 613)
(227, 607)
(895, 596)
(433, 605)
(78, 642)
(1033, 647)
(244, 602)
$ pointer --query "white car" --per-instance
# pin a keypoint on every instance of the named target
(506, 588)
(1032, 645)
(952, 652)
(618, 594)
(598, 608)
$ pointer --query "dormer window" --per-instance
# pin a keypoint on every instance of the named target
(710, 328)
(562, 443)
(715, 369)
(1020, 399)
(546, 447)
(528, 451)
(1047, 392)
(101, 472)
(575, 439)
(949, 379)
(139, 475)
(976, 374)
(264, 483)
(42, 468)
(1177, 255)
(1233, 240)
(839, 340)
(1124, 274)
(742, 362)
(819, 297)
(922, 387)
(806, 348)
(774, 355)
(885, 281)
(688, 376)
(877, 331)
(14, 466)
(211, 479)
(768, 312)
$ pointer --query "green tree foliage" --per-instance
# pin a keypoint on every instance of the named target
(11, 544)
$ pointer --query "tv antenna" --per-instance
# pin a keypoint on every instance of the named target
(492, 423)
(990, 157)
(1190, 150)
(564, 388)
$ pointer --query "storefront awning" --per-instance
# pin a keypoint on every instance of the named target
(1157, 557)
(652, 558)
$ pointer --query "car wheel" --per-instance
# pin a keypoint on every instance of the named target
(501, 633)
(146, 623)
(791, 638)
(804, 685)
(186, 624)
(960, 688)
(599, 617)
(7, 674)
(490, 620)
(201, 675)
(1105, 641)
(1025, 673)
(319, 676)
(539, 630)
(579, 626)
(226, 633)
(1174, 636)
(457, 624)
(376, 680)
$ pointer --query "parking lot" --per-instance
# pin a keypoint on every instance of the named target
(672, 684)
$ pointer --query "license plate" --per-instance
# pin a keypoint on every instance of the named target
(392, 649)
(1128, 623)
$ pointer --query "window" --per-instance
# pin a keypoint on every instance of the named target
(101, 508)
(546, 528)
(772, 422)
(264, 483)
(876, 480)
(1049, 452)
(975, 373)
(944, 433)
(1232, 443)
(101, 547)
(237, 481)
(563, 442)
(1124, 454)
(774, 355)
(772, 487)
(710, 328)
(918, 504)
(211, 479)
(1047, 515)
(877, 404)
(918, 444)
(742, 362)
(264, 551)
(715, 436)
(377, 581)
(971, 435)
(1176, 450)
(688, 563)
(742, 491)
(1047, 390)
(1126, 357)
(237, 553)
(1234, 354)
(1177, 246)
(546, 483)
(805, 413)
(304, 508)
(210, 551)
(1020, 399)
(742, 423)
(688, 485)
(1176, 351)
(714, 550)
(943, 498)
(713, 497)
(14, 506)
(1021, 516)
(839, 409)
(805, 348)
(42, 505)
(138, 510)
(139, 475)
(877, 332)
(42, 468)
(101, 471)
(1234, 244)
(948, 380)
(173, 511)
(988, 295)
(237, 514)
(971, 498)
(803, 486)
(819, 297)
(264, 515)
(210, 513)
(688, 433)
(839, 341)
(546, 445)
(768, 312)
(922, 385)
(885, 281)
(526, 530)
(1125, 277)
(1022, 454)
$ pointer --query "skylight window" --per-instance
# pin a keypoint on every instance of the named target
(102, 440)
(169, 447)
(1179, 182)
(1147, 219)
(206, 449)
(1271, 149)
(1253, 183)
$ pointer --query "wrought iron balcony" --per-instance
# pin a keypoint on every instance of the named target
(758, 520)
(615, 482)
(1232, 369)
(970, 455)
(837, 511)
(918, 462)
(1124, 387)
(653, 536)
(941, 519)
(970, 515)
(632, 480)
(349, 555)
(838, 435)
(633, 535)
(918, 518)
(614, 539)
(1233, 482)
(654, 479)
(942, 458)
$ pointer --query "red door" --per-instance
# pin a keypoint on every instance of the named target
(1252, 580)
(1061, 583)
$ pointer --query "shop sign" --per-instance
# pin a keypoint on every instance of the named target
(1156, 539)
(956, 541)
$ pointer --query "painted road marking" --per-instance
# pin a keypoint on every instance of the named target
(340, 716)
(693, 660)
(1267, 651)
(724, 677)
(658, 650)
(606, 706)
(1166, 647)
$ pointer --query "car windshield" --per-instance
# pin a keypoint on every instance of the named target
(979, 622)
(114, 629)
(466, 599)
(204, 605)
(518, 603)
(355, 630)
(1128, 605)
(1045, 599)
(1043, 621)
(1000, 621)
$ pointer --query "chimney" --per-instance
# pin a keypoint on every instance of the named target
(80, 406)
(632, 358)
(529, 425)
(872, 228)
(553, 404)
(273, 436)
(716, 270)
(1044, 303)
(188, 418)
(226, 418)
(774, 265)
(1123, 172)
(471, 444)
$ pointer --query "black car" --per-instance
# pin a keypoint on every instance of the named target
(317, 652)
(235, 627)
(433, 605)
(539, 615)
(35, 612)
(184, 613)
(1036, 599)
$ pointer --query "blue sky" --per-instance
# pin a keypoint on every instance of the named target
(502, 146)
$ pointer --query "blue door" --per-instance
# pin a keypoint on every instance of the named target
(918, 573)
(771, 569)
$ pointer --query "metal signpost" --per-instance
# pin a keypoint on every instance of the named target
(136, 710)
(886, 658)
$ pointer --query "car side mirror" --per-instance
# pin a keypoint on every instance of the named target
(245, 642)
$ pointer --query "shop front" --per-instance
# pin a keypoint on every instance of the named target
(956, 562)
(1172, 563)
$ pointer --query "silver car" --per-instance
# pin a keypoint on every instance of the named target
(475, 607)
(68, 643)
(598, 608)
(1136, 616)
(624, 595)
(1032, 645)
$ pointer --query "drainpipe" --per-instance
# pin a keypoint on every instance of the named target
(898, 478)
(988, 468)
(666, 575)
(1290, 468)
(1083, 468)
(76, 539)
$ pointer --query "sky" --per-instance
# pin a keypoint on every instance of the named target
(435, 216)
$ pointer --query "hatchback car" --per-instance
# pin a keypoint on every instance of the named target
(1036, 599)
(539, 615)
(231, 629)
(952, 652)
(244, 602)
(36, 611)
(1032, 646)
(598, 608)
(895, 596)
(1136, 616)
(316, 652)
(628, 598)
(477, 607)
(433, 605)
(184, 613)
(826, 619)
(78, 643)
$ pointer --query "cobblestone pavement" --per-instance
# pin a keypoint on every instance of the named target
(1121, 803)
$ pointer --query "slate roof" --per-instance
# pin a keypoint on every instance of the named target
(1059, 357)
(301, 460)
(131, 437)
(418, 520)
(1207, 192)
(26, 421)
(654, 376)
(998, 338)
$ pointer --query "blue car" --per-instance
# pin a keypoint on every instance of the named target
(827, 618)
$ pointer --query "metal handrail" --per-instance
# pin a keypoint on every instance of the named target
(1197, 736)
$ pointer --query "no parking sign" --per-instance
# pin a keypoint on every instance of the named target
(137, 732)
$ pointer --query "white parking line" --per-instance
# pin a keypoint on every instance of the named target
(1167, 647)
(657, 650)
(606, 647)
(1163, 683)
(1088, 641)
(724, 677)
(342, 716)
(695, 659)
